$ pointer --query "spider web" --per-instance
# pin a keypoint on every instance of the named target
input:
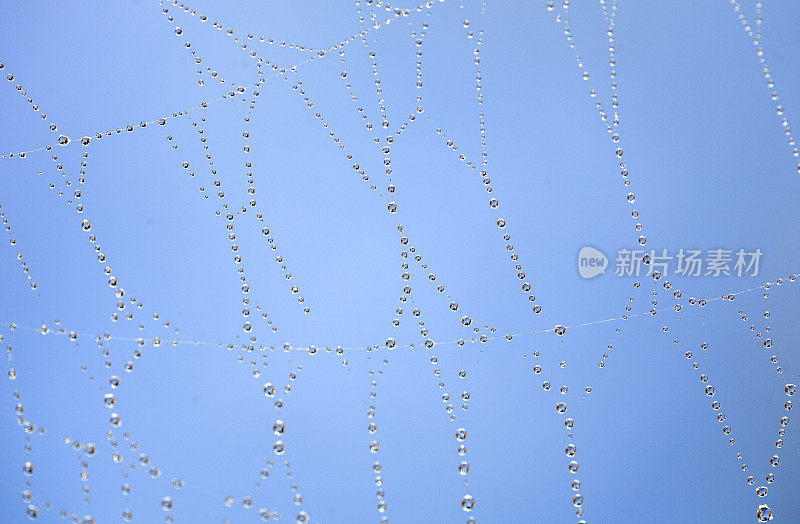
(271, 275)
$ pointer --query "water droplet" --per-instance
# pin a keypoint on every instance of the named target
(467, 503)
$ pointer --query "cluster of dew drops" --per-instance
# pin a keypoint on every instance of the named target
(279, 447)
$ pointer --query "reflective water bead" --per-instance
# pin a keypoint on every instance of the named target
(467, 503)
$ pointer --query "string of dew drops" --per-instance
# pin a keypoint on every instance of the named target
(559, 330)
(64, 140)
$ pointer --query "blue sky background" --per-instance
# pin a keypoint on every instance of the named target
(709, 165)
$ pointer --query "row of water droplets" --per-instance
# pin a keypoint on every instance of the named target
(494, 204)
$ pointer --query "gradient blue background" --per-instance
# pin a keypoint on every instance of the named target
(709, 165)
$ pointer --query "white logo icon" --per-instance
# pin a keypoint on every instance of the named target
(591, 262)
